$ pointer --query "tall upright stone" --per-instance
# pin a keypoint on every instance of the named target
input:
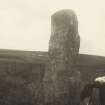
(63, 50)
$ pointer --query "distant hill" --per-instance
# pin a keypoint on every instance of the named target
(23, 56)
(40, 57)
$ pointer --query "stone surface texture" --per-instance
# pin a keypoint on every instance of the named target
(62, 80)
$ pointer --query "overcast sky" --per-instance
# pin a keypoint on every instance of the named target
(25, 24)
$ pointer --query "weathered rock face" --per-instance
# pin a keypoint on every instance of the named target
(63, 50)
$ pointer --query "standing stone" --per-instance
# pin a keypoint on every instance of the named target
(63, 50)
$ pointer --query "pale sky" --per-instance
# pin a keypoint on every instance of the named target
(26, 24)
